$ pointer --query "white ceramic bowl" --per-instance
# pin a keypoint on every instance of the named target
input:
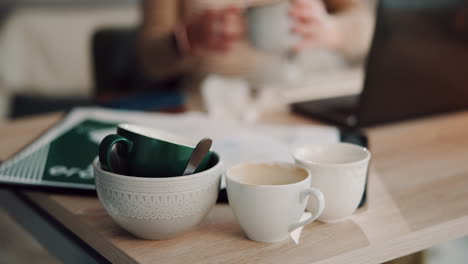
(158, 208)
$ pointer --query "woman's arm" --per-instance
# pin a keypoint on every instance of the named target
(342, 25)
(158, 49)
(355, 24)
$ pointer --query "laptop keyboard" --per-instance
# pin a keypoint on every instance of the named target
(337, 110)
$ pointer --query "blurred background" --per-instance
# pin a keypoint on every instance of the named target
(45, 51)
(56, 54)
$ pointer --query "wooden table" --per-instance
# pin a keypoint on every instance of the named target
(417, 198)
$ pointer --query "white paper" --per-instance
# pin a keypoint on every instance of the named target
(235, 142)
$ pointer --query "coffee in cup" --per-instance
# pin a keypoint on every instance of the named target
(268, 199)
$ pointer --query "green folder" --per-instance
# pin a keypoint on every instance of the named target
(64, 161)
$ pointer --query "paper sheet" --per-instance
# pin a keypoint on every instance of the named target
(235, 142)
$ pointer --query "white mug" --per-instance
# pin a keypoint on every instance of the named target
(269, 27)
(339, 170)
(268, 199)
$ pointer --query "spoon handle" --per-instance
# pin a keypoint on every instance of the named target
(200, 151)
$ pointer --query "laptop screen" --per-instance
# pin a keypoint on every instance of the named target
(418, 63)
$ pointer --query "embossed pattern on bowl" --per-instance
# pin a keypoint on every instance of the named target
(158, 208)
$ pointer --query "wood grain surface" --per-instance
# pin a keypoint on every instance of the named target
(418, 197)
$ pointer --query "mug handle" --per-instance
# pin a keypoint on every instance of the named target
(105, 149)
(320, 206)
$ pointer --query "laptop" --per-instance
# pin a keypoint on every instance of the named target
(417, 66)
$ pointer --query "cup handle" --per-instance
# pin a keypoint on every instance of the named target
(320, 206)
(105, 149)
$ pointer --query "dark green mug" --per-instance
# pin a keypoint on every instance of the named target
(148, 152)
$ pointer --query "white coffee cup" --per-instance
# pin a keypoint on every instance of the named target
(339, 170)
(268, 199)
(269, 27)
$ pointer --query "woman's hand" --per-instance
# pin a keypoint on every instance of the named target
(315, 25)
(216, 30)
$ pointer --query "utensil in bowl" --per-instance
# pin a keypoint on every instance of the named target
(201, 149)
